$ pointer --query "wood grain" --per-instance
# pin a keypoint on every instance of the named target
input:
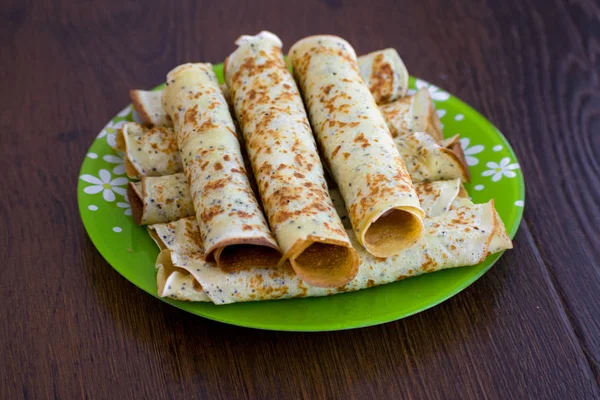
(74, 328)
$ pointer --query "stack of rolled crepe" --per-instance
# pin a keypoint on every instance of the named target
(454, 232)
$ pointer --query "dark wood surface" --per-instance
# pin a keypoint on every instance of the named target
(72, 327)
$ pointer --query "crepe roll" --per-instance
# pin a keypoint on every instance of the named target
(160, 199)
(356, 143)
(462, 236)
(286, 164)
(148, 151)
(428, 161)
(232, 226)
(385, 74)
(414, 113)
(148, 105)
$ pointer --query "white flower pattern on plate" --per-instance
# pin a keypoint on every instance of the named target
(105, 184)
(110, 130)
(125, 205)
(436, 93)
(504, 168)
(470, 151)
(119, 169)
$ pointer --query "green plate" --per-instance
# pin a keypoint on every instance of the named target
(128, 248)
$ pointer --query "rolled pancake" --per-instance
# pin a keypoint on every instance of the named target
(160, 199)
(177, 283)
(286, 164)
(230, 220)
(385, 74)
(356, 143)
(414, 113)
(148, 151)
(428, 161)
(148, 105)
(460, 237)
(181, 236)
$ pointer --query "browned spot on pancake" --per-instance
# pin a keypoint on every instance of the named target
(327, 89)
(382, 78)
(216, 184)
(361, 140)
(246, 227)
(298, 175)
(244, 214)
(370, 283)
(299, 159)
(190, 114)
(208, 214)
(335, 151)
(218, 166)
(429, 265)
(226, 157)
(206, 125)
(192, 233)
(346, 155)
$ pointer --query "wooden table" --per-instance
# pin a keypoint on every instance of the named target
(72, 327)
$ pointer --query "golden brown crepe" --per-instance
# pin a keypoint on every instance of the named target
(357, 145)
(148, 151)
(427, 161)
(286, 164)
(463, 235)
(160, 199)
(414, 113)
(230, 220)
(148, 105)
(385, 74)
